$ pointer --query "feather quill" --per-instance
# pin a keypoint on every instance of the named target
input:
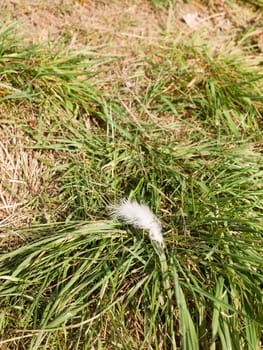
(139, 216)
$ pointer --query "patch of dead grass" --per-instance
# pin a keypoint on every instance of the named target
(21, 176)
(93, 22)
(25, 172)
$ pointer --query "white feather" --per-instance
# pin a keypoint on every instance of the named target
(140, 216)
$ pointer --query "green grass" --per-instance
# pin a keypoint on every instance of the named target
(46, 78)
(190, 146)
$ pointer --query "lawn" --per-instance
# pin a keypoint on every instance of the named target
(158, 101)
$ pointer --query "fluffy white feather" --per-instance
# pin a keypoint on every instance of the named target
(140, 216)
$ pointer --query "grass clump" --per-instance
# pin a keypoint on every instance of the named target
(90, 283)
(47, 78)
(82, 281)
(217, 92)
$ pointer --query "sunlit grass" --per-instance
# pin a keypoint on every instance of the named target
(189, 146)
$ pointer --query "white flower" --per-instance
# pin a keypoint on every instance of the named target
(140, 216)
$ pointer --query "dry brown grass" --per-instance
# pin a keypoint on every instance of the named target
(120, 27)
(21, 174)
